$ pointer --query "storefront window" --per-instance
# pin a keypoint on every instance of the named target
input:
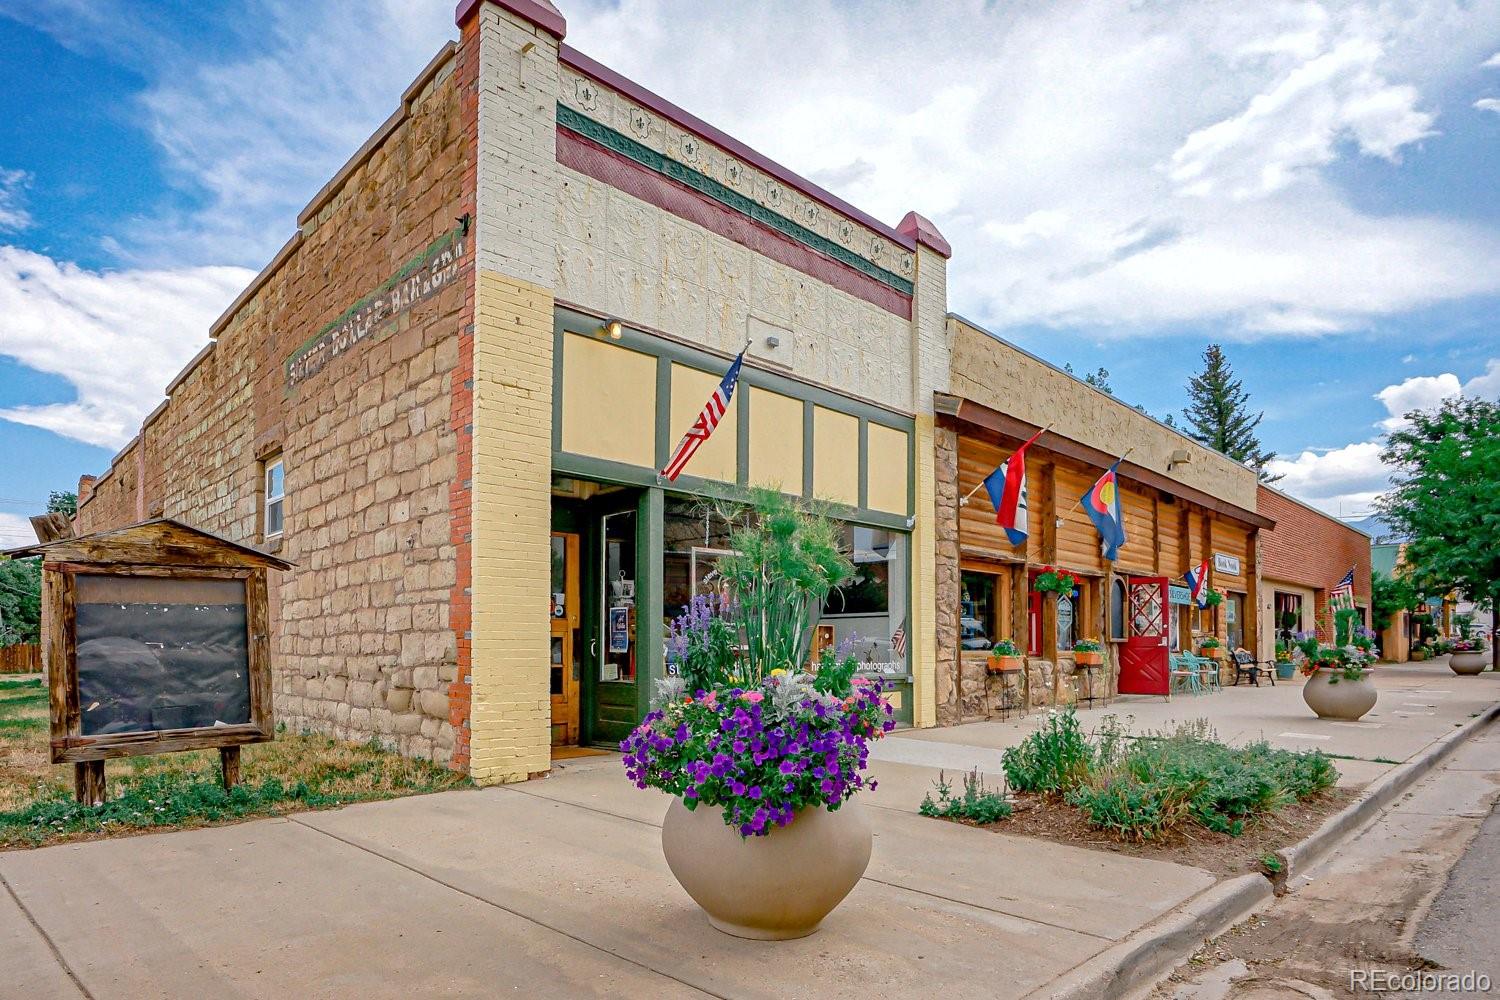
(695, 537)
(1288, 616)
(1066, 608)
(979, 613)
(868, 611)
(1117, 609)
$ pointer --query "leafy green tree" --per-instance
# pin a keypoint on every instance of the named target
(1391, 594)
(1445, 497)
(62, 502)
(20, 601)
(1217, 415)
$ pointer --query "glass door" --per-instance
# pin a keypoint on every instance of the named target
(613, 659)
(564, 668)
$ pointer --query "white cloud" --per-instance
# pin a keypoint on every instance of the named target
(13, 214)
(118, 336)
(1493, 61)
(1347, 480)
(1488, 104)
(1057, 162)
(1423, 392)
(1486, 386)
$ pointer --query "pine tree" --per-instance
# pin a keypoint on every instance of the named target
(1217, 416)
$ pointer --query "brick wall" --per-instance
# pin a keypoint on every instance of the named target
(1311, 548)
(364, 644)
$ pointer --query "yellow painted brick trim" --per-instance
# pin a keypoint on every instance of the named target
(510, 721)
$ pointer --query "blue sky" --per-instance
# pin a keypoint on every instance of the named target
(1312, 185)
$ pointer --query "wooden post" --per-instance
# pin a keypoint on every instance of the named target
(229, 764)
(88, 782)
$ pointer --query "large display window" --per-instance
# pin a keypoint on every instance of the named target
(870, 612)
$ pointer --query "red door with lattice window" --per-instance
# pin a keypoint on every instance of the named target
(1144, 667)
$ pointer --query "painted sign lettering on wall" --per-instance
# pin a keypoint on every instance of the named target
(1227, 564)
(372, 316)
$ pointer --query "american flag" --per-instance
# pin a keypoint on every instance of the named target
(1342, 595)
(898, 639)
(713, 411)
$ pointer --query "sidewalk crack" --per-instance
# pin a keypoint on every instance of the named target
(51, 945)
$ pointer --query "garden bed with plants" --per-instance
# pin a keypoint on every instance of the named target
(173, 791)
(1180, 796)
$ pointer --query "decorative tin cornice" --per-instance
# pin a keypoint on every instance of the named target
(604, 116)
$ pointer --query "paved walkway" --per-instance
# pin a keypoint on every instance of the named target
(558, 888)
(1419, 702)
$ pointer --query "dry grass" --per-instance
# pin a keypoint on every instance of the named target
(295, 772)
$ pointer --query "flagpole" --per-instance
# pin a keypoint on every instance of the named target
(1079, 501)
(964, 500)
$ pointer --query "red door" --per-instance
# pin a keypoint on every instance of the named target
(1144, 666)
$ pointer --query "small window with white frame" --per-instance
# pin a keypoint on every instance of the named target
(275, 501)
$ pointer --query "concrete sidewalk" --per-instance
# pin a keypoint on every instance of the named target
(1419, 703)
(552, 888)
(557, 887)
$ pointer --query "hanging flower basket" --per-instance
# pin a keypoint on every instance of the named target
(1213, 598)
(1052, 580)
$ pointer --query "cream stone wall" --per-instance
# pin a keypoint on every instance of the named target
(995, 374)
(621, 256)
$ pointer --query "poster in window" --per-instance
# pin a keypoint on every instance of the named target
(619, 629)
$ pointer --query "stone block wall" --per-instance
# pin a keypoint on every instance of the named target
(363, 645)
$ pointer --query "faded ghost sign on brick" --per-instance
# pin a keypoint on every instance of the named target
(374, 315)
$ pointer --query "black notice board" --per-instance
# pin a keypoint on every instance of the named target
(159, 653)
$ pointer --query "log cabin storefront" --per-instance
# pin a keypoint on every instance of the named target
(1182, 504)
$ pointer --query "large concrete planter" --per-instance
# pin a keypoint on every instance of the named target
(769, 888)
(1341, 699)
(1469, 664)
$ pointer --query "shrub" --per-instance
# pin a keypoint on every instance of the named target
(1054, 759)
(1130, 808)
(977, 804)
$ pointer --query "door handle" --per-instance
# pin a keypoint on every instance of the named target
(593, 647)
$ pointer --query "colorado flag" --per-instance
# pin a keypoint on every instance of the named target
(1007, 489)
(1102, 504)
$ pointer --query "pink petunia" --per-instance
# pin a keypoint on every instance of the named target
(753, 696)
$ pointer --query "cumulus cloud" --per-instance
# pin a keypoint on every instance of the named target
(1492, 62)
(1077, 127)
(117, 336)
(1488, 104)
(1347, 480)
(13, 214)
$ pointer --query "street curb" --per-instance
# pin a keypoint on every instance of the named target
(1145, 957)
(1378, 794)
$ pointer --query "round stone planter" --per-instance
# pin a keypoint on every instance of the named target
(770, 888)
(1331, 696)
(1469, 664)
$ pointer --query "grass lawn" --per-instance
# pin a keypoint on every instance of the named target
(295, 772)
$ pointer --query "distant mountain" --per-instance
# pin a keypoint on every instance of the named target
(1374, 527)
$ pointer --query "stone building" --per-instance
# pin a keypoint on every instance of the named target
(446, 400)
(1182, 503)
(1304, 557)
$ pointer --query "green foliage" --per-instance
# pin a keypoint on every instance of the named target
(20, 601)
(1187, 776)
(976, 803)
(62, 502)
(1271, 864)
(1005, 647)
(1098, 378)
(1445, 497)
(786, 560)
(836, 670)
(1390, 594)
(1054, 759)
(1344, 621)
(1217, 416)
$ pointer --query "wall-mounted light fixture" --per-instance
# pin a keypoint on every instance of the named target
(613, 329)
(1180, 456)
